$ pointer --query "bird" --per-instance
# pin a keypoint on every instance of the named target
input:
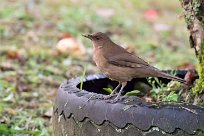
(120, 65)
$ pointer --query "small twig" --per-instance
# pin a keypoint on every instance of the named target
(187, 109)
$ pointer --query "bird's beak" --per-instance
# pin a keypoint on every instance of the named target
(87, 36)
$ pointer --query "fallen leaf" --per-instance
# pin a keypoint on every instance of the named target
(16, 54)
(148, 99)
(71, 46)
(12, 54)
(151, 15)
(105, 13)
(48, 113)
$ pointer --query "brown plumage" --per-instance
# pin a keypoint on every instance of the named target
(119, 65)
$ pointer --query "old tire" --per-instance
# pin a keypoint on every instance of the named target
(83, 113)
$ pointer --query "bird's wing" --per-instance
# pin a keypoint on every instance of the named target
(127, 60)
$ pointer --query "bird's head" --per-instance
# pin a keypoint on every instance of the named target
(98, 39)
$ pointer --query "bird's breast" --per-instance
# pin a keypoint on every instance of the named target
(99, 59)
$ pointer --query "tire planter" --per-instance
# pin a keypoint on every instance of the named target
(84, 112)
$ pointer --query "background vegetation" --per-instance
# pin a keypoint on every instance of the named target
(32, 67)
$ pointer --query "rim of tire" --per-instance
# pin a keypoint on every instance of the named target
(82, 104)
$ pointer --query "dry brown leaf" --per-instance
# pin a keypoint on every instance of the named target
(12, 54)
(71, 46)
(148, 99)
(48, 113)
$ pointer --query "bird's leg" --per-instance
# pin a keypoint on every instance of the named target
(115, 89)
(112, 93)
(121, 90)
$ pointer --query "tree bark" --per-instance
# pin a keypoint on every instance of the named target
(194, 16)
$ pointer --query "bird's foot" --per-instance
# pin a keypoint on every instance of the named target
(115, 100)
(109, 96)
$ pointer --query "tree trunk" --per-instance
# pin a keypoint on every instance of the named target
(194, 16)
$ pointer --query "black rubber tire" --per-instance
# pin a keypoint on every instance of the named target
(83, 113)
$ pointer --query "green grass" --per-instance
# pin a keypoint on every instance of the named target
(5, 131)
(82, 78)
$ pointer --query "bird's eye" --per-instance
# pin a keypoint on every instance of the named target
(97, 38)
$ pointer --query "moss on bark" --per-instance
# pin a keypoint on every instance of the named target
(194, 16)
(199, 86)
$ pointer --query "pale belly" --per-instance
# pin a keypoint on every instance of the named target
(118, 73)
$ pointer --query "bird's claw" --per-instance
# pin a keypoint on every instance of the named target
(108, 96)
(115, 100)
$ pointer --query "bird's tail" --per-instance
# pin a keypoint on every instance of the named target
(168, 76)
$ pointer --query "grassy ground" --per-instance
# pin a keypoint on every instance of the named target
(31, 71)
